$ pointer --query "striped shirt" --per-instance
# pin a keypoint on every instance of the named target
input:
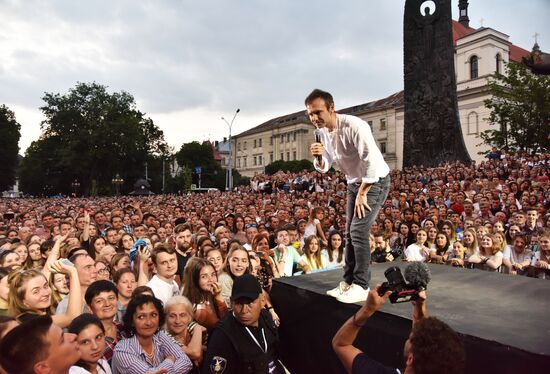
(130, 358)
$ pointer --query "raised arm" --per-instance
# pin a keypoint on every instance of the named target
(74, 306)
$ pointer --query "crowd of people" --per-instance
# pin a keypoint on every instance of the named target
(139, 283)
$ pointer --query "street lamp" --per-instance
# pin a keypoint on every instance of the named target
(75, 186)
(229, 178)
(117, 181)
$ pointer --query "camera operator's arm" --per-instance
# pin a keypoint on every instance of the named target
(342, 343)
(419, 311)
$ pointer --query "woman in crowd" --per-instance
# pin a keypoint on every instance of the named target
(541, 259)
(517, 257)
(448, 229)
(470, 243)
(90, 336)
(268, 269)
(98, 244)
(404, 239)
(418, 250)
(455, 254)
(314, 226)
(125, 243)
(334, 253)
(4, 290)
(312, 260)
(489, 255)
(30, 294)
(119, 261)
(432, 235)
(148, 349)
(238, 229)
(513, 230)
(125, 282)
(438, 253)
(236, 264)
(59, 285)
(181, 326)
(34, 260)
(22, 252)
(9, 259)
(201, 287)
(214, 256)
(107, 254)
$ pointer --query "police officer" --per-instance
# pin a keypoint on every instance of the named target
(245, 340)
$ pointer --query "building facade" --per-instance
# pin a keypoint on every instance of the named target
(479, 53)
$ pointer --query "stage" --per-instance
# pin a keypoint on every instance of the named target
(504, 320)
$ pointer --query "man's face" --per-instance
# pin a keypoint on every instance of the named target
(99, 219)
(87, 272)
(135, 220)
(104, 305)
(532, 217)
(166, 264)
(247, 311)
(319, 114)
(293, 236)
(520, 219)
(282, 237)
(112, 237)
(48, 222)
(63, 351)
(117, 223)
(80, 223)
(139, 231)
(380, 243)
(183, 240)
(251, 233)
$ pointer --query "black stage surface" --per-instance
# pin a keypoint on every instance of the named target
(504, 320)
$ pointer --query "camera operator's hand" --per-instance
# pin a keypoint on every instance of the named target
(419, 307)
(372, 304)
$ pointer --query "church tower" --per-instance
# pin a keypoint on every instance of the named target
(463, 13)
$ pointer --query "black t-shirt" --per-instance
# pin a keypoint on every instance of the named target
(363, 364)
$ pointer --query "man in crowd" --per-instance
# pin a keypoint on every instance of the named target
(382, 251)
(286, 257)
(166, 266)
(431, 344)
(87, 274)
(184, 246)
(38, 346)
(348, 143)
(245, 341)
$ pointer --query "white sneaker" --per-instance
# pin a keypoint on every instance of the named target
(342, 287)
(354, 294)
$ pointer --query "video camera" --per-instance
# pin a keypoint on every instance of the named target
(417, 276)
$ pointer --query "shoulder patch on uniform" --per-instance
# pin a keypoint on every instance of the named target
(218, 365)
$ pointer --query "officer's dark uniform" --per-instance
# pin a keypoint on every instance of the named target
(231, 349)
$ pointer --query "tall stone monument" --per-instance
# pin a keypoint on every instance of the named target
(432, 131)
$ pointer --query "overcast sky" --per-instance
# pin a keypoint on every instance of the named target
(190, 62)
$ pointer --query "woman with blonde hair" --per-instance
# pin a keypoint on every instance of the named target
(489, 256)
(30, 294)
(236, 264)
(469, 239)
(314, 226)
(312, 260)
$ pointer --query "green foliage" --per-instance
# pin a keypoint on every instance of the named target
(90, 134)
(520, 108)
(292, 166)
(9, 147)
(196, 154)
(181, 182)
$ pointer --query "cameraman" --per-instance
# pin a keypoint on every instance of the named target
(382, 251)
(432, 346)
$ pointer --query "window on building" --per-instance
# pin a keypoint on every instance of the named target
(474, 73)
(382, 124)
(473, 123)
(260, 142)
(238, 146)
(282, 156)
(239, 162)
(383, 147)
(244, 161)
(294, 135)
(270, 157)
(294, 155)
(282, 138)
(255, 143)
(244, 145)
(498, 62)
(370, 124)
(288, 137)
(259, 159)
(288, 156)
(271, 140)
(254, 161)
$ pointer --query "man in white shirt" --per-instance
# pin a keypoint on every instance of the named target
(347, 143)
(166, 265)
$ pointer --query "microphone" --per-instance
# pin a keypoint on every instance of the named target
(317, 133)
(418, 275)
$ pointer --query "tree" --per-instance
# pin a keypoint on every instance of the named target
(520, 108)
(9, 147)
(91, 135)
(193, 155)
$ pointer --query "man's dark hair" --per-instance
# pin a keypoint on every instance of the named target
(147, 216)
(46, 214)
(46, 246)
(436, 348)
(134, 304)
(290, 227)
(182, 227)
(161, 248)
(98, 287)
(319, 94)
(25, 345)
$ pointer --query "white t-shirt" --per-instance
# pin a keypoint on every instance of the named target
(334, 263)
(162, 290)
(509, 254)
(311, 228)
(415, 253)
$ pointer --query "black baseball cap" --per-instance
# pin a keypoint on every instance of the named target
(246, 286)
